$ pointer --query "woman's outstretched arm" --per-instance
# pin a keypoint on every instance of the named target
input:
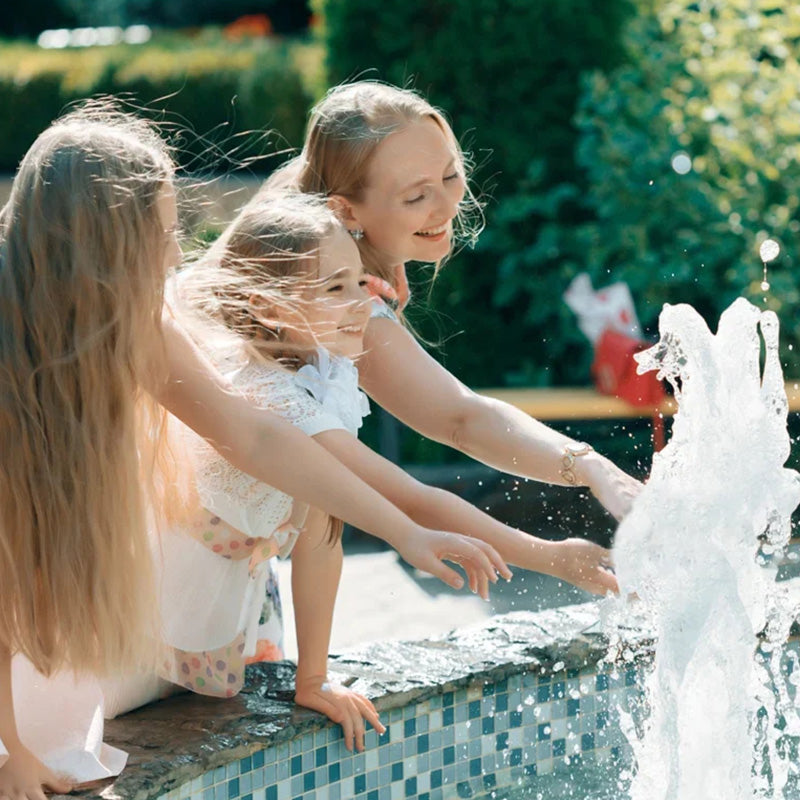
(408, 383)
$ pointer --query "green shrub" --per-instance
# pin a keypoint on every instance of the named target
(224, 95)
(717, 81)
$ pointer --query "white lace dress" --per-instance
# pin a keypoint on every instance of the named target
(220, 601)
(219, 597)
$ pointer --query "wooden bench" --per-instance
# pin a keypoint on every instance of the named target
(586, 403)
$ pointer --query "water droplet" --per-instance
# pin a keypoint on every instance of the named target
(681, 162)
(558, 666)
(769, 250)
(764, 286)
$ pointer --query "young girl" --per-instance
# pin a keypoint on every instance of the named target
(391, 166)
(86, 350)
(287, 279)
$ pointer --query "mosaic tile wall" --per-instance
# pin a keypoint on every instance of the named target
(458, 744)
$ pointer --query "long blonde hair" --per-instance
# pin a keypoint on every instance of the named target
(81, 293)
(343, 132)
(267, 258)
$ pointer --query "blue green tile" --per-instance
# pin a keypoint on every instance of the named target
(464, 789)
(397, 771)
(233, 788)
(559, 747)
(487, 725)
(409, 727)
(411, 787)
(423, 743)
(474, 709)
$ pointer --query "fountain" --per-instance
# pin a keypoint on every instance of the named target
(700, 551)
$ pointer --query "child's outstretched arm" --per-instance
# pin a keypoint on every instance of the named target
(316, 569)
(577, 561)
(22, 775)
(269, 448)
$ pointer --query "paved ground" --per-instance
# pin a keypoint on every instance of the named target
(380, 598)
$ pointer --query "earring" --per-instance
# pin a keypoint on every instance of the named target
(356, 233)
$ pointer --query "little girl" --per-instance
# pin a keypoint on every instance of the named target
(87, 354)
(287, 279)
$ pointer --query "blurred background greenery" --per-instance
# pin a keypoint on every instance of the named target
(573, 112)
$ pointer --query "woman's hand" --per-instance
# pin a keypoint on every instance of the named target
(24, 777)
(346, 708)
(583, 564)
(428, 550)
(615, 489)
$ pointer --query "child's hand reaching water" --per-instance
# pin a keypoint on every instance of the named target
(342, 706)
(428, 550)
(24, 777)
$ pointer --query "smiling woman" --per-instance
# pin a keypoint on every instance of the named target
(392, 169)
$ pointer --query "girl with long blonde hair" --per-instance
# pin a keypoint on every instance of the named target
(87, 351)
(390, 165)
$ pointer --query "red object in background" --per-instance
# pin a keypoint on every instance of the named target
(255, 25)
(614, 370)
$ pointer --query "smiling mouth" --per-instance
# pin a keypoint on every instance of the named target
(353, 330)
(434, 233)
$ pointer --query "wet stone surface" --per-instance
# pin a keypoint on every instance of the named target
(178, 739)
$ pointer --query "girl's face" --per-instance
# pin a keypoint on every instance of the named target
(337, 309)
(168, 215)
(413, 189)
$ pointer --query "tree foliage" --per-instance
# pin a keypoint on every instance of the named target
(715, 82)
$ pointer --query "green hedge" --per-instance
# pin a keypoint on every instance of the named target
(226, 95)
(507, 73)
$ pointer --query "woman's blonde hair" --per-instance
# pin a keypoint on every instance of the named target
(82, 250)
(266, 260)
(343, 132)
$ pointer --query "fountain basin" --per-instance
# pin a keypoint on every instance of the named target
(514, 700)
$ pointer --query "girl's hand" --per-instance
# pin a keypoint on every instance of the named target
(583, 564)
(340, 705)
(24, 777)
(615, 489)
(428, 550)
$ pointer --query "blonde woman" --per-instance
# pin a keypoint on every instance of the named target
(393, 170)
(87, 354)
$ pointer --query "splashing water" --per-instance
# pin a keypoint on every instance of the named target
(699, 550)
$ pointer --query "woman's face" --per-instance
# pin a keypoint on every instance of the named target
(413, 188)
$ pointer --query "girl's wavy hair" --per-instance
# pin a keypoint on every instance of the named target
(82, 249)
(267, 259)
(343, 132)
